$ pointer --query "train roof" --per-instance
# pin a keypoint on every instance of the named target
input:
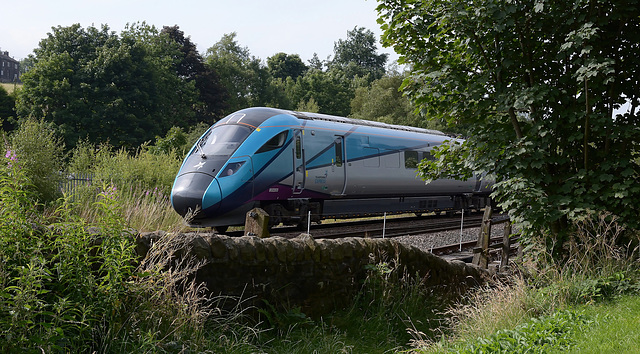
(363, 122)
(259, 114)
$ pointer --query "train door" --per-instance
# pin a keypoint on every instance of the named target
(339, 167)
(299, 168)
(478, 182)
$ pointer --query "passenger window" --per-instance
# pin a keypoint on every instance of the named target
(274, 143)
(429, 156)
(298, 147)
(411, 159)
(338, 145)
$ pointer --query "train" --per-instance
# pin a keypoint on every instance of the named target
(306, 167)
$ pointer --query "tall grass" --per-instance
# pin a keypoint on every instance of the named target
(143, 180)
(598, 267)
(383, 318)
(142, 209)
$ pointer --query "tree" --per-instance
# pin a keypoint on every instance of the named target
(212, 95)
(282, 66)
(316, 63)
(243, 76)
(357, 55)
(383, 101)
(538, 82)
(7, 109)
(331, 91)
(95, 84)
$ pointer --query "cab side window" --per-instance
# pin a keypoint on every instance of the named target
(274, 143)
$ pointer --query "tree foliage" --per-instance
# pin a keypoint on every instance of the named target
(358, 55)
(7, 109)
(282, 66)
(330, 90)
(538, 82)
(95, 84)
(383, 101)
(191, 67)
(243, 75)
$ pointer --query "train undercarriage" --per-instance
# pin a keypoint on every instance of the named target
(298, 211)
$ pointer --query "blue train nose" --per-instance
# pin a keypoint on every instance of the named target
(196, 192)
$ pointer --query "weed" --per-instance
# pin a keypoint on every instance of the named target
(538, 335)
(284, 321)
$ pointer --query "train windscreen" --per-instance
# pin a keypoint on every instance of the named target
(222, 140)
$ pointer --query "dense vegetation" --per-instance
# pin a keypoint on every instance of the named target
(70, 282)
(533, 84)
(548, 91)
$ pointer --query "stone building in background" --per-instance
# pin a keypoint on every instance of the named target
(9, 68)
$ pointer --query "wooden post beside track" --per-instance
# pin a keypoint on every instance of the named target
(481, 252)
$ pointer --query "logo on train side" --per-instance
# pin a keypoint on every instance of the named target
(322, 179)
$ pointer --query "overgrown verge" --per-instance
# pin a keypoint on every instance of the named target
(534, 309)
(71, 286)
(389, 308)
(143, 180)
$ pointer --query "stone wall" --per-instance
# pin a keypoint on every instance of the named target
(316, 275)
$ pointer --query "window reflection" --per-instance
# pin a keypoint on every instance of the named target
(222, 140)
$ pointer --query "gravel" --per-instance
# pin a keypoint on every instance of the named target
(445, 238)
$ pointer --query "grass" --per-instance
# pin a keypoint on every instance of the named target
(143, 209)
(616, 327)
(9, 87)
(377, 321)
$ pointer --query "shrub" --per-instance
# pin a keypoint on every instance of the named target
(71, 286)
(539, 335)
(141, 169)
(598, 268)
(58, 282)
(39, 151)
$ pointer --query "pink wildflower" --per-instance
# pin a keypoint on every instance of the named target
(11, 155)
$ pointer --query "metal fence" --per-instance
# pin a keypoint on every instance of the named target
(72, 181)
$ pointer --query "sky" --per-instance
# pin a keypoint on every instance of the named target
(265, 27)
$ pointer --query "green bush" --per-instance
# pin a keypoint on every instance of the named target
(67, 285)
(37, 149)
(126, 170)
(60, 282)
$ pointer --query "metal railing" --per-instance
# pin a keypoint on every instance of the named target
(72, 181)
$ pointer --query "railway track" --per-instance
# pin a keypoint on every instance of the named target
(401, 228)
(378, 228)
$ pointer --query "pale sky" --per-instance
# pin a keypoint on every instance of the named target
(266, 27)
